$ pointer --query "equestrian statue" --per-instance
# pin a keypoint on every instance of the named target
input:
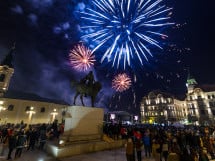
(86, 87)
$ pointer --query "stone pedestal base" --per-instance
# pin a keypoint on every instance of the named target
(82, 133)
(83, 124)
(82, 148)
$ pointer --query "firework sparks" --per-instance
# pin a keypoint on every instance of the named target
(81, 58)
(121, 82)
(125, 30)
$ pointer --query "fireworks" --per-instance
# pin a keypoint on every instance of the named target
(81, 58)
(125, 30)
(121, 82)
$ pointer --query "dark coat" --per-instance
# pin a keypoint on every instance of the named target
(21, 141)
(12, 142)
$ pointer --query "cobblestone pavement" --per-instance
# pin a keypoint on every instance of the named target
(107, 155)
(35, 155)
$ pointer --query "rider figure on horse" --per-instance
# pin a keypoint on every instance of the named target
(88, 80)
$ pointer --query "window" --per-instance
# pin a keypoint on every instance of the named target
(27, 108)
(209, 97)
(212, 104)
(2, 77)
(202, 112)
(10, 107)
(42, 109)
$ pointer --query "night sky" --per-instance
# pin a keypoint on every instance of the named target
(46, 30)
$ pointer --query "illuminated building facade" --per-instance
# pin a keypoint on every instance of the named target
(159, 107)
(17, 107)
(197, 108)
(201, 104)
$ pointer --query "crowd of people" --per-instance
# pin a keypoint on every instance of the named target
(22, 137)
(163, 143)
(168, 143)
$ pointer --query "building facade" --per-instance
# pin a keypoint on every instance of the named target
(201, 105)
(17, 107)
(30, 112)
(160, 107)
(197, 108)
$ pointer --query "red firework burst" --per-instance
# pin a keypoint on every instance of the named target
(121, 82)
(81, 58)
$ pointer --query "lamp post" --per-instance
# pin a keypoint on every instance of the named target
(1, 106)
(54, 113)
(30, 114)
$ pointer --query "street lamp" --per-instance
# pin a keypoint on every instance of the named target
(30, 112)
(1, 106)
(54, 113)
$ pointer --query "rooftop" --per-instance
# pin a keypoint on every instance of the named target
(31, 97)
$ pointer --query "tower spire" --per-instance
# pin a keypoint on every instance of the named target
(9, 57)
(191, 82)
(190, 79)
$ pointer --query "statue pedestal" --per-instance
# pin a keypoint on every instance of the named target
(83, 124)
(82, 133)
(83, 121)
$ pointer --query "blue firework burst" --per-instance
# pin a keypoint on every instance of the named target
(125, 30)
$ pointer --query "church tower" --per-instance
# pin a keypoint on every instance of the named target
(191, 82)
(6, 71)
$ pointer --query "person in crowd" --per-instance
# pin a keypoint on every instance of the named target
(155, 149)
(203, 154)
(20, 144)
(208, 144)
(50, 134)
(165, 149)
(116, 131)
(138, 146)
(147, 144)
(174, 151)
(42, 139)
(129, 146)
(11, 144)
(55, 129)
(33, 137)
(7, 133)
(123, 132)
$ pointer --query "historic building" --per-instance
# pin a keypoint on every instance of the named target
(201, 104)
(197, 108)
(160, 107)
(17, 107)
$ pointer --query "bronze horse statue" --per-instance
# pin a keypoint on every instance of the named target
(86, 90)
